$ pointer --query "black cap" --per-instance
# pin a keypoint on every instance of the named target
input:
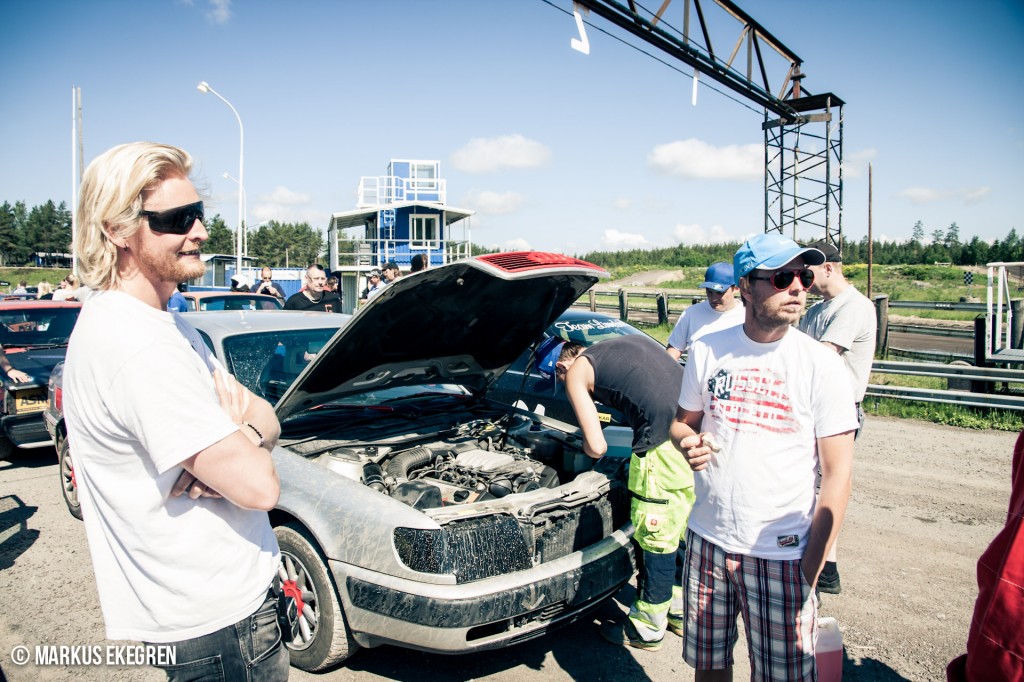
(832, 254)
(391, 265)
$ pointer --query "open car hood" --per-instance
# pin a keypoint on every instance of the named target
(462, 323)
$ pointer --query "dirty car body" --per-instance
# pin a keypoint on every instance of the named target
(414, 511)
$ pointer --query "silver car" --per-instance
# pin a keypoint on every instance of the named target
(416, 512)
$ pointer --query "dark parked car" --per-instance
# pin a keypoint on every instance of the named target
(522, 383)
(34, 335)
(414, 510)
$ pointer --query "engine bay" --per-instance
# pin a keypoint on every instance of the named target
(484, 459)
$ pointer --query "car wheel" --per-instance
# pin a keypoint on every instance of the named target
(6, 448)
(68, 484)
(324, 638)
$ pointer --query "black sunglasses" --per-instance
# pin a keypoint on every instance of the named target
(781, 279)
(175, 220)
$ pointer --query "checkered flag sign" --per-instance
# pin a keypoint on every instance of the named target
(968, 277)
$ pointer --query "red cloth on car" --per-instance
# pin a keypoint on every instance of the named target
(995, 644)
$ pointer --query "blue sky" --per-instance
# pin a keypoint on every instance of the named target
(554, 149)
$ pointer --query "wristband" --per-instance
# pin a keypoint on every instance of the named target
(257, 432)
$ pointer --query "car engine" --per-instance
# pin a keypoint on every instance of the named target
(481, 461)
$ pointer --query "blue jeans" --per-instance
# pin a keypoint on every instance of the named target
(251, 650)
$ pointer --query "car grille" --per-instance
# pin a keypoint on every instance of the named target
(566, 531)
(484, 547)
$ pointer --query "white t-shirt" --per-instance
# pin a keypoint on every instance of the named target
(701, 319)
(848, 321)
(138, 400)
(765, 404)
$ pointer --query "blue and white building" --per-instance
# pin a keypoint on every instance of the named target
(398, 215)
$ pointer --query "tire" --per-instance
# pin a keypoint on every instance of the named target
(68, 486)
(324, 639)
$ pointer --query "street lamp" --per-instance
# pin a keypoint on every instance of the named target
(204, 88)
(243, 234)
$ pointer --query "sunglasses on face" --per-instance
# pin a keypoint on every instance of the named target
(782, 279)
(175, 220)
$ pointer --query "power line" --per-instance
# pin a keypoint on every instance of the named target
(654, 57)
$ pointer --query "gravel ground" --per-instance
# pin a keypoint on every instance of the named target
(927, 500)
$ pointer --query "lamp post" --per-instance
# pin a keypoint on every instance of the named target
(204, 88)
(243, 234)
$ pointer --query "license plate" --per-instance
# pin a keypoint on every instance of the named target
(30, 401)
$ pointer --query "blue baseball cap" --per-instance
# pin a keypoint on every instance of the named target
(769, 251)
(547, 356)
(719, 277)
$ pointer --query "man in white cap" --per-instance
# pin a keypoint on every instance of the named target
(761, 406)
(719, 311)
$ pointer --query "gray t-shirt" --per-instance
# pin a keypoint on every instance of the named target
(848, 321)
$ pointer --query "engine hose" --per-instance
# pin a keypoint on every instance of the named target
(373, 476)
(399, 466)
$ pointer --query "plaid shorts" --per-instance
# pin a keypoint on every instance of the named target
(778, 607)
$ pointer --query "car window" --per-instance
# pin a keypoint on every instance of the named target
(236, 303)
(588, 331)
(268, 362)
(37, 326)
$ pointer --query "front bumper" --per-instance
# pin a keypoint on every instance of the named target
(26, 431)
(485, 614)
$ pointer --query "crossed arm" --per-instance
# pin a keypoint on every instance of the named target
(236, 467)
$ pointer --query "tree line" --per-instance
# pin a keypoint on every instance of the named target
(943, 247)
(46, 230)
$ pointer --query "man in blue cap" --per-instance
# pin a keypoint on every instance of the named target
(637, 378)
(719, 311)
(762, 405)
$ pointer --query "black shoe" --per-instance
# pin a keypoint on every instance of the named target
(828, 581)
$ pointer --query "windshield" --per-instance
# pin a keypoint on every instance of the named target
(37, 326)
(590, 330)
(267, 363)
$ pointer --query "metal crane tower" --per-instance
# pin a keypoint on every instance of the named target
(803, 132)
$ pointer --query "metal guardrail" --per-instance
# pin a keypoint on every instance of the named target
(1006, 401)
(931, 331)
(967, 398)
(939, 305)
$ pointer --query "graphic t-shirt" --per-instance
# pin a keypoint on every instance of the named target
(765, 404)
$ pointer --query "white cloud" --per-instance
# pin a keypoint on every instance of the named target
(920, 195)
(976, 195)
(487, 155)
(220, 12)
(493, 203)
(518, 244)
(696, 159)
(855, 165)
(924, 195)
(283, 195)
(622, 203)
(286, 206)
(697, 234)
(614, 239)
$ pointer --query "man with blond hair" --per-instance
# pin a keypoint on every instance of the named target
(176, 519)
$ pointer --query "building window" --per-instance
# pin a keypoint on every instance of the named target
(423, 232)
(423, 171)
